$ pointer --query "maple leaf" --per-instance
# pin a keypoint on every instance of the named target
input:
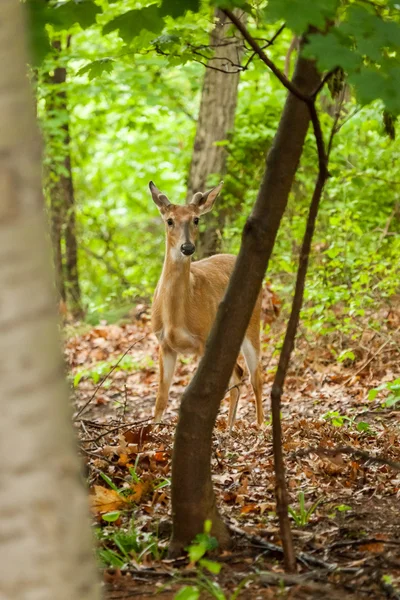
(105, 500)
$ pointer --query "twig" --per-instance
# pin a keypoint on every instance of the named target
(323, 81)
(388, 222)
(94, 455)
(236, 386)
(107, 376)
(362, 542)
(302, 557)
(380, 460)
(374, 355)
(258, 50)
(113, 429)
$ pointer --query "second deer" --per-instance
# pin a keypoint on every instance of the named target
(187, 297)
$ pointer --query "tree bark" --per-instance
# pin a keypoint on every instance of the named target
(215, 122)
(62, 199)
(45, 544)
(193, 500)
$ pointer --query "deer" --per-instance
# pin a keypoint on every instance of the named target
(187, 297)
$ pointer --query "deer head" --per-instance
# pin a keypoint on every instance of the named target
(182, 222)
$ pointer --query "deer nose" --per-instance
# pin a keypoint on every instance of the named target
(187, 249)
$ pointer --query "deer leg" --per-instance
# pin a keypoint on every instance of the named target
(167, 359)
(252, 358)
(234, 394)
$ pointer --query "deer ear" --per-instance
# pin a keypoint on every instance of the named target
(205, 202)
(159, 198)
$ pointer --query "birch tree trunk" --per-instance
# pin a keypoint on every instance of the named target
(215, 122)
(45, 544)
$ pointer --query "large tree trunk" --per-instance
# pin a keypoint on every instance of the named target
(45, 544)
(62, 198)
(193, 499)
(215, 122)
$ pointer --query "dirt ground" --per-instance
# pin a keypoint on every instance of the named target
(342, 454)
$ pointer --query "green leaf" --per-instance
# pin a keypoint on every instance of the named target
(346, 355)
(188, 593)
(207, 526)
(38, 17)
(67, 14)
(363, 427)
(391, 400)
(371, 84)
(196, 551)
(372, 394)
(112, 516)
(211, 565)
(230, 4)
(133, 22)
(343, 508)
(97, 68)
(299, 14)
(331, 51)
(176, 8)
(109, 482)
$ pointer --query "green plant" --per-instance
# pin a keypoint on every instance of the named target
(342, 508)
(117, 547)
(338, 420)
(393, 387)
(303, 515)
(102, 368)
(202, 544)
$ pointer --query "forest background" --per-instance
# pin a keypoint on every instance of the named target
(131, 115)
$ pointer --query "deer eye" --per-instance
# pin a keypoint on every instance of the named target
(170, 222)
(196, 220)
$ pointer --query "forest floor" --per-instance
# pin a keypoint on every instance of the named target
(342, 451)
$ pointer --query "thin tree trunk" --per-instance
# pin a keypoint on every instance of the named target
(281, 494)
(215, 122)
(193, 499)
(62, 201)
(45, 544)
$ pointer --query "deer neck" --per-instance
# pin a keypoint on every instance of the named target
(176, 284)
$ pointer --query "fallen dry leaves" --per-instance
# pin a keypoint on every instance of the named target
(355, 496)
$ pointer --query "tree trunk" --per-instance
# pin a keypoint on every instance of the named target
(62, 200)
(215, 122)
(45, 544)
(193, 500)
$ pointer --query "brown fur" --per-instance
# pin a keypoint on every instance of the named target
(185, 304)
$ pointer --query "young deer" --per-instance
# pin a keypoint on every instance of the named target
(187, 297)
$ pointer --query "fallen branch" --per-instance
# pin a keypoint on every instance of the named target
(276, 550)
(107, 376)
(362, 542)
(366, 456)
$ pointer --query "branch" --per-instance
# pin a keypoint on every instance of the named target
(80, 411)
(324, 80)
(258, 50)
(309, 100)
(362, 454)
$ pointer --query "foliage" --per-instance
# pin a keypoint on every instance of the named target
(103, 367)
(202, 544)
(393, 396)
(118, 547)
(132, 108)
(302, 515)
(339, 420)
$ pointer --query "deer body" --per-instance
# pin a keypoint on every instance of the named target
(186, 301)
